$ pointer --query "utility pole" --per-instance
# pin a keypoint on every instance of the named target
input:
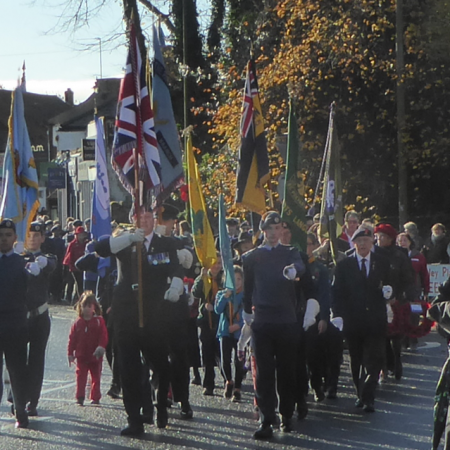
(401, 161)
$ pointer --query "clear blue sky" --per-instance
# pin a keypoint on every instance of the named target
(53, 63)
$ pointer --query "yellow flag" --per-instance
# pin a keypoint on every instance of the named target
(201, 228)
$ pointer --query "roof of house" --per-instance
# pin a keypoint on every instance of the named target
(105, 100)
(38, 110)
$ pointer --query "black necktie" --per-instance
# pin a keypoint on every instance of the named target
(364, 268)
(4, 256)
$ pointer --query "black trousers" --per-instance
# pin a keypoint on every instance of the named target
(227, 345)
(179, 360)
(301, 371)
(13, 345)
(38, 333)
(193, 344)
(111, 353)
(366, 361)
(210, 353)
(154, 348)
(324, 356)
(275, 347)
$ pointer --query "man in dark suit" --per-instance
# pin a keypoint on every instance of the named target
(360, 290)
(159, 265)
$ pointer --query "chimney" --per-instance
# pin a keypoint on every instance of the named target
(68, 96)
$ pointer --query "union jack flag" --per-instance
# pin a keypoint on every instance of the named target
(134, 126)
(253, 168)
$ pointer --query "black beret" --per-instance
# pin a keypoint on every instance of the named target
(232, 221)
(8, 223)
(362, 231)
(244, 236)
(271, 218)
(169, 212)
(38, 227)
(77, 223)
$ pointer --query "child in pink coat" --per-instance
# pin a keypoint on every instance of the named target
(87, 342)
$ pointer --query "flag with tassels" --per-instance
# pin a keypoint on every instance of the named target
(134, 127)
(169, 146)
(293, 208)
(253, 168)
(20, 187)
(201, 228)
(331, 211)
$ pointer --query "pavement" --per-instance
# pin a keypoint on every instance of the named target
(403, 419)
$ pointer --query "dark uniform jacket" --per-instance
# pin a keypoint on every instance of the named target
(13, 288)
(159, 265)
(37, 292)
(360, 302)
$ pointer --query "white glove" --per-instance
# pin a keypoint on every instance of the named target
(390, 313)
(33, 268)
(248, 318)
(387, 292)
(19, 247)
(42, 261)
(244, 339)
(160, 229)
(191, 299)
(137, 236)
(312, 309)
(185, 258)
(175, 290)
(99, 352)
(338, 322)
(290, 272)
(118, 243)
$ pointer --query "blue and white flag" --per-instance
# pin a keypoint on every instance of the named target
(225, 248)
(169, 146)
(19, 195)
(101, 211)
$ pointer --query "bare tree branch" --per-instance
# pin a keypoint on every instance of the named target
(165, 19)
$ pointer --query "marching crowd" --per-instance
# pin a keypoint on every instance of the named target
(286, 322)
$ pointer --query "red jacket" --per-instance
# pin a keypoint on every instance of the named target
(74, 251)
(422, 279)
(85, 336)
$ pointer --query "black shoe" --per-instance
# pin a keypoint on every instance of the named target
(265, 431)
(147, 418)
(32, 411)
(133, 430)
(95, 402)
(359, 403)
(319, 396)
(236, 397)
(398, 372)
(369, 408)
(161, 418)
(302, 409)
(286, 426)
(186, 411)
(197, 381)
(208, 391)
(80, 401)
(22, 423)
(331, 393)
(114, 392)
(228, 391)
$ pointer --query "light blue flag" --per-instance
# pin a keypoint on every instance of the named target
(19, 195)
(225, 248)
(169, 146)
(101, 211)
